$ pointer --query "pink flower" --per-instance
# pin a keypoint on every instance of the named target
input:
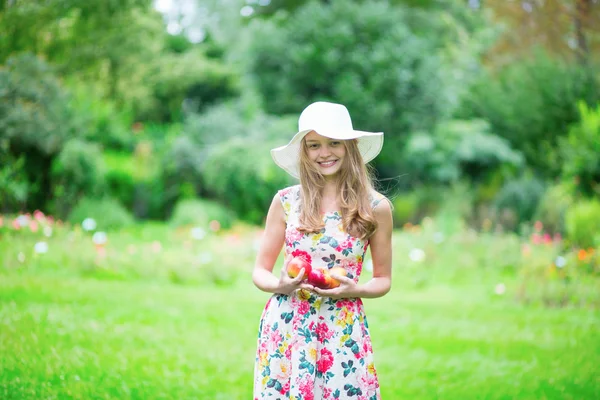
(304, 307)
(302, 254)
(325, 361)
(323, 332)
(306, 389)
(536, 238)
(547, 239)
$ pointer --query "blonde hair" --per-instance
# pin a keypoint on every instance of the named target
(354, 185)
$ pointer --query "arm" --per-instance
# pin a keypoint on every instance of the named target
(381, 253)
(270, 247)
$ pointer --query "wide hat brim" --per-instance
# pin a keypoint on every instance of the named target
(288, 156)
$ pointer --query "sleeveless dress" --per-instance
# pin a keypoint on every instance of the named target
(312, 347)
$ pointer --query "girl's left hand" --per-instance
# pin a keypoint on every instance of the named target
(347, 289)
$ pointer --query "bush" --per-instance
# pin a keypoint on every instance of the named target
(242, 175)
(458, 150)
(78, 171)
(520, 197)
(108, 213)
(200, 212)
(581, 152)
(552, 208)
(413, 206)
(582, 222)
(531, 104)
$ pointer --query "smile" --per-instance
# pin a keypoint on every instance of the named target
(327, 164)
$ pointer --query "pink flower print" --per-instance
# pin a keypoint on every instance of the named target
(285, 388)
(304, 307)
(306, 389)
(349, 304)
(367, 347)
(294, 235)
(275, 339)
(323, 332)
(302, 254)
(325, 361)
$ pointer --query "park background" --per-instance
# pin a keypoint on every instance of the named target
(135, 176)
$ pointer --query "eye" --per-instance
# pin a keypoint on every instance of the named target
(313, 146)
(335, 143)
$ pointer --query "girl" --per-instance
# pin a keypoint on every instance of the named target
(314, 343)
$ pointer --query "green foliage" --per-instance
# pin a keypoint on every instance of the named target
(414, 205)
(108, 213)
(77, 171)
(35, 110)
(187, 82)
(200, 212)
(553, 206)
(531, 104)
(360, 54)
(520, 197)
(14, 186)
(582, 220)
(458, 150)
(581, 152)
(240, 173)
(106, 123)
(224, 154)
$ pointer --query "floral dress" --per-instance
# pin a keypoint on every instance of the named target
(312, 347)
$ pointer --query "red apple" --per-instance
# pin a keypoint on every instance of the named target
(296, 264)
(336, 271)
(320, 278)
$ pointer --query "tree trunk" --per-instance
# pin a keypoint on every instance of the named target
(581, 16)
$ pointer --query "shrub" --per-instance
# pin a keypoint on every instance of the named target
(581, 152)
(458, 150)
(520, 197)
(582, 222)
(552, 208)
(241, 174)
(200, 212)
(531, 104)
(108, 213)
(78, 171)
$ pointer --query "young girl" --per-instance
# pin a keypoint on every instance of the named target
(314, 343)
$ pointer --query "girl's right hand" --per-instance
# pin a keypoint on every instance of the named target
(287, 284)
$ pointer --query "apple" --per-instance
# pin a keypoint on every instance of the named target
(296, 264)
(336, 271)
(320, 278)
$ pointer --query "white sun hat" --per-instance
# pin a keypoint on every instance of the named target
(330, 120)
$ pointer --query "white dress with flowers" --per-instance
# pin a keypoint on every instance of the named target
(312, 347)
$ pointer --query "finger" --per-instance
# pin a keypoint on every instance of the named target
(307, 286)
(341, 278)
(300, 276)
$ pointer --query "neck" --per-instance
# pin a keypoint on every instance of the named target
(330, 190)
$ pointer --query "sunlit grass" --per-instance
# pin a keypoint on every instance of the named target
(164, 321)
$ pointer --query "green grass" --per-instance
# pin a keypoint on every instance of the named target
(441, 333)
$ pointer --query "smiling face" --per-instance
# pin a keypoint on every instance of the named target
(326, 154)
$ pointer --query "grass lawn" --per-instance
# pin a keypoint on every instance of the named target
(74, 335)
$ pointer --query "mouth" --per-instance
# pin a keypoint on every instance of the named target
(327, 164)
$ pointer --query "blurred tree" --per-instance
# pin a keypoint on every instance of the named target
(120, 45)
(458, 151)
(580, 149)
(569, 28)
(362, 55)
(36, 119)
(531, 104)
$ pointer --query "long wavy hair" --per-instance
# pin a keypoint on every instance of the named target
(354, 185)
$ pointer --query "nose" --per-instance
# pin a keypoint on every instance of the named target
(325, 151)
